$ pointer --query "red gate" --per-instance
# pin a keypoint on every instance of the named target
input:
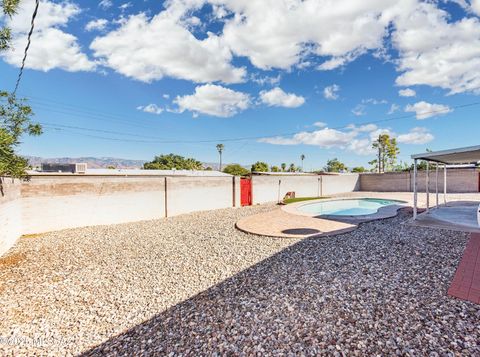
(245, 192)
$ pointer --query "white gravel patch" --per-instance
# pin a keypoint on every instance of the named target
(194, 285)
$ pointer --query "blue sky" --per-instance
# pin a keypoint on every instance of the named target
(270, 79)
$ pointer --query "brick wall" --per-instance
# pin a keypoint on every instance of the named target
(458, 181)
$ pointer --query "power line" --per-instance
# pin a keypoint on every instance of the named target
(77, 108)
(249, 138)
(60, 126)
(80, 114)
(29, 36)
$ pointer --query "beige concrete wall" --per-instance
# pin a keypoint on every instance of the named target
(48, 203)
(52, 203)
(190, 194)
(271, 188)
(458, 181)
(340, 184)
(10, 214)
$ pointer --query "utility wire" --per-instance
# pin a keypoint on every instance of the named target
(249, 138)
(29, 37)
(60, 126)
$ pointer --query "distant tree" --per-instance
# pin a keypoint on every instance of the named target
(111, 167)
(283, 166)
(421, 164)
(292, 168)
(15, 121)
(302, 157)
(334, 165)
(172, 161)
(359, 169)
(208, 168)
(220, 148)
(387, 152)
(275, 169)
(260, 166)
(236, 170)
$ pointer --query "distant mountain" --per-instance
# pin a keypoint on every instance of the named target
(103, 162)
(92, 162)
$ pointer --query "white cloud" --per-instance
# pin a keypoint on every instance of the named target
(408, 92)
(393, 109)
(359, 110)
(51, 47)
(436, 51)
(98, 24)
(149, 49)
(433, 48)
(166, 96)
(374, 101)
(416, 136)
(361, 146)
(105, 4)
(280, 34)
(475, 5)
(355, 139)
(424, 110)
(331, 92)
(320, 124)
(325, 138)
(151, 108)
(125, 6)
(366, 128)
(276, 97)
(213, 100)
(264, 80)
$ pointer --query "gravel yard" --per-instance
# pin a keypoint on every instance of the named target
(194, 285)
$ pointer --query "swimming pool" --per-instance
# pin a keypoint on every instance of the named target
(347, 207)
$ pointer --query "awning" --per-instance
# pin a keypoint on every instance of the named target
(466, 155)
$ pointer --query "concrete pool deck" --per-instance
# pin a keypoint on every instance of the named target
(288, 222)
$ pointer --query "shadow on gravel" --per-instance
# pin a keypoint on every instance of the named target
(373, 290)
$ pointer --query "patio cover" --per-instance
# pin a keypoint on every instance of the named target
(467, 155)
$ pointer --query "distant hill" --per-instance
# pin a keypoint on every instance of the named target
(92, 162)
(102, 162)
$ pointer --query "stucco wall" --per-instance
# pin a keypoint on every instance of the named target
(271, 188)
(458, 181)
(187, 194)
(10, 214)
(333, 184)
(52, 203)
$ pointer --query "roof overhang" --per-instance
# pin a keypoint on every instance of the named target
(466, 155)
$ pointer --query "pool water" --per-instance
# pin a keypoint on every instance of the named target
(349, 207)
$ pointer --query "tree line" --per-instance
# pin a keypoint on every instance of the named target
(386, 149)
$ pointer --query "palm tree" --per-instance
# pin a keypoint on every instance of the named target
(302, 157)
(220, 148)
(283, 166)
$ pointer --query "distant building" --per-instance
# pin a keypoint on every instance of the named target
(78, 168)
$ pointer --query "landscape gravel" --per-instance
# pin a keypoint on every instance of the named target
(194, 285)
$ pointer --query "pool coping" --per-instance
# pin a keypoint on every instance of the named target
(382, 213)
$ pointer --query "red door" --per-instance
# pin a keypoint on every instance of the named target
(245, 192)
